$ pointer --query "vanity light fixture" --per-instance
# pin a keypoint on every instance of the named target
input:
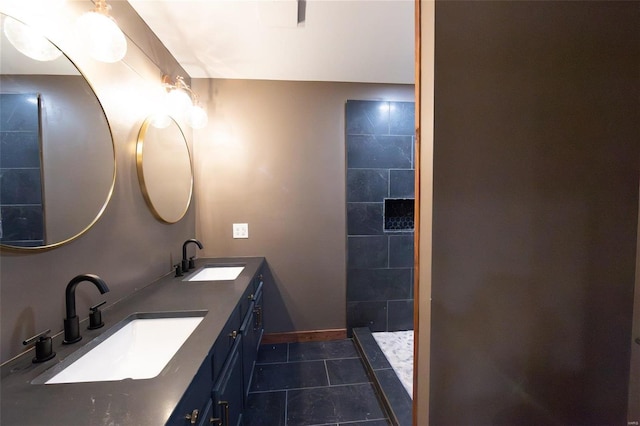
(182, 102)
(29, 41)
(100, 34)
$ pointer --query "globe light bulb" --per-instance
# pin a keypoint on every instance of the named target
(29, 42)
(101, 36)
(178, 103)
(197, 117)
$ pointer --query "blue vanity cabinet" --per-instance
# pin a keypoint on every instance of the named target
(192, 406)
(224, 342)
(206, 419)
(252, 329)
(228, 395)
(218, 393)
(258, 324)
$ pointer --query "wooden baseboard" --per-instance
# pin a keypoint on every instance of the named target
(304, 336)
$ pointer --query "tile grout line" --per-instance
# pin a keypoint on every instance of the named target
(326, 372)
(315, 387)
(286, 406)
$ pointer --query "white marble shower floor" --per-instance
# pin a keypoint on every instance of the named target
(397, 346)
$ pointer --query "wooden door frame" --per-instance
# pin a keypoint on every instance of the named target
(424, 96)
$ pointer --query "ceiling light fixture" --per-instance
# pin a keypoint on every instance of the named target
(182, 103)
(100, 34)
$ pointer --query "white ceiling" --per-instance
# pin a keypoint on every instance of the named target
(368, 41)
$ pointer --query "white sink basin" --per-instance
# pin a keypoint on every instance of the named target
(139, 347)
(216, 273)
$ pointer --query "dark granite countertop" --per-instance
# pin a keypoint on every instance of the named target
(126, 402)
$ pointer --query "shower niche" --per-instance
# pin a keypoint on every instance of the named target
(398, 214)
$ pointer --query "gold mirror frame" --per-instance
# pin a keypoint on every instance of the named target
(162, 160)
(107, 185)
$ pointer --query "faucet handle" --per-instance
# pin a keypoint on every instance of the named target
(178, 267)
(95, 317)
(44, 346)
(192, 262)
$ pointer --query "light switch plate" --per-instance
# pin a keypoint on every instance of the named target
(240, 230)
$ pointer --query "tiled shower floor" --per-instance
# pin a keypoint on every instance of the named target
(397, 346)
(312, 383)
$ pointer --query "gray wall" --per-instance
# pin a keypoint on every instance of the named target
(535, 211)
(127, 247)
(282, 171)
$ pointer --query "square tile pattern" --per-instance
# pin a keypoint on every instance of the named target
(312, 383)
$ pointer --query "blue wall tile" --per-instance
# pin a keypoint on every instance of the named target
(377, 152)
(402, 183)
(368, 252)
(370, 185)
(367, 314)
(19, 149)
(22, 223)
(364, 218)
(19, 111)
(367, 117)
(401, 251)
(379, 284)
(402, 120)
(20, 186)
(400, 315)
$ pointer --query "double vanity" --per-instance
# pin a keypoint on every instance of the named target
(179, 351)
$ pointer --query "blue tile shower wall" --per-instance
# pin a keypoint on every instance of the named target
(380, 139)
(21, 204)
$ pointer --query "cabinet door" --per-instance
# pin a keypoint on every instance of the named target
(224, 342)
(252, 330)
(250, 294)
(249, 348)
(206, 415)
(258, 324)
(192, 404)
(227, 391)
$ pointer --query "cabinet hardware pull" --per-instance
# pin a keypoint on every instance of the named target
(193, 417)
(258, 312)
(216, 421)
(233, 334)
(225, 404)
(251, 297)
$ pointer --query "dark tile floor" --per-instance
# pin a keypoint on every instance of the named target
(312, 383)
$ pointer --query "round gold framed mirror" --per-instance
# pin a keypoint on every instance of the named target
(164, 170)
(57, 156)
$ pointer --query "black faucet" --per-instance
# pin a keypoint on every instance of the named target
(185, 262)
(71, 322)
